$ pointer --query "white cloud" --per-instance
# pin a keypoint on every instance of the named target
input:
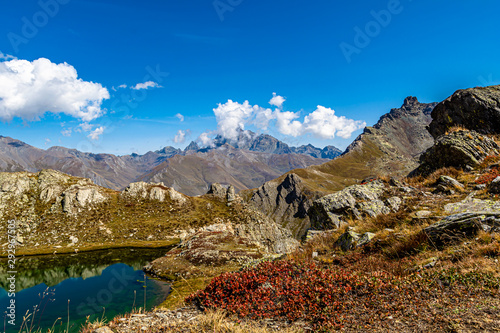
(47, 141)
(277, 100)
(286, 124)
(30, 89)
(323, 123)
(180, 116)
(6, 57)
(232, 117)
(180, 137)
(146, 85)
(94, 135)
(122, 86)
(205, 139)
(67, 132)
(85, 127)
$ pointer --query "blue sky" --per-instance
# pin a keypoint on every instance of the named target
(239, 50)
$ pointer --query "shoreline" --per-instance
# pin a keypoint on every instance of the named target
(93, 248)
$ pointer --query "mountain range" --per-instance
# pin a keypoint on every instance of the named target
(245, 162)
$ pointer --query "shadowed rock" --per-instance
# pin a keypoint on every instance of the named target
(475, 109)
(457, 149)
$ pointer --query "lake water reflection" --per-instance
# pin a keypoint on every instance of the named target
(95, 284)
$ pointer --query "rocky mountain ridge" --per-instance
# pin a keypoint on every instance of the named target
(391, 147)
(116, 172)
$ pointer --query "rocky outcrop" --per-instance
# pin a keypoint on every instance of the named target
(353, 202)
(475, 109)
(79, 197)
(223, 244)
(448, 185)
(285, 203)
(154, 192)
(457, 149)
(351, 239)
(457, 227)
(21, 192)
(218, 190)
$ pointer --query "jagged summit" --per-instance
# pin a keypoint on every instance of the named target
(410, 100)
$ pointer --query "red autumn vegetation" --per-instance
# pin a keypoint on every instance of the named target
(324, 297)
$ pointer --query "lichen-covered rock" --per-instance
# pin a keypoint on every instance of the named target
(475, 109)
(153, 191)
(353, 202)
(394, 203)
(231, 194)
(365, 238)
(457, 149)
(470, 204)
(457, 227)
(22, 190)
(76, 198)
(350, 239)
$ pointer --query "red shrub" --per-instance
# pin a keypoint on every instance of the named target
(488, 176)
(291, 291)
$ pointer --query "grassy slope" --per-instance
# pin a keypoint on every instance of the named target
(118, 222)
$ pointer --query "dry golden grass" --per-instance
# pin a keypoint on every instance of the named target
(456, 128)
(218, 321)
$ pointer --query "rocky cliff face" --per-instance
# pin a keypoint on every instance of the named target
(285, 202)
(476, 109)
(400, 136)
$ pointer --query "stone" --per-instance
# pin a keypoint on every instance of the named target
(472, 205)
(348, 240)
(422, 214)
(218, 190)
(77, 197)
(457, 149)
(231, 193)
(450, 181)
(365, 238)
(431, 262)
(494, 186)
(457, 227)
(154, 191)
(475, 109)
(354, 201)
(394, 203)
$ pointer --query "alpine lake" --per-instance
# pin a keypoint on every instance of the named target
(62, 292)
